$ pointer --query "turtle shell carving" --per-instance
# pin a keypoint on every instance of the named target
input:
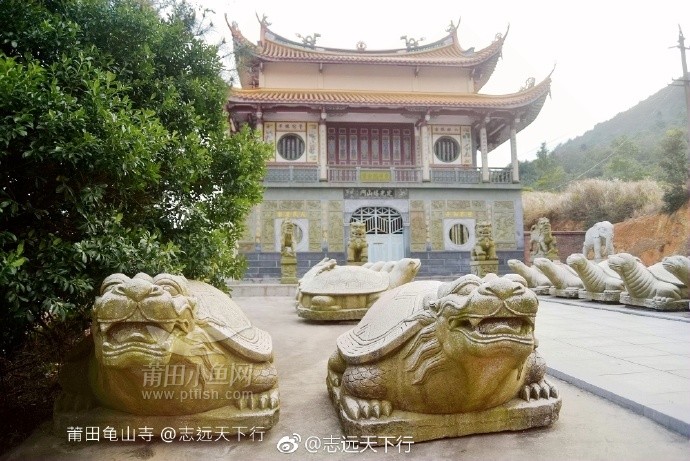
(344, 280)
(331, 292)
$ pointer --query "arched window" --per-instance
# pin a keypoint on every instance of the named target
(379, 219)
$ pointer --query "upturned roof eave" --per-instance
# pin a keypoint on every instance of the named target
(372, 99)
(401, 57)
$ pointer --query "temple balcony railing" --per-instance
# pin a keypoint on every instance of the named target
(278, 173)
(465, 175)
(292, 173)
(363, 174)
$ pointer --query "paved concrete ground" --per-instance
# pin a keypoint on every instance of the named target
(638, 359)
(575, 341)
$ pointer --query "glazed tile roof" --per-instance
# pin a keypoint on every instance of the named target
(445, 52)
(388, 99)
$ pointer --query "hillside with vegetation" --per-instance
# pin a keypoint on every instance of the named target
(630, 170)
(628, 147)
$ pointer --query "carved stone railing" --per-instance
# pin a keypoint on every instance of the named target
(292, 173)
(470, 175)
(359, 174)
(500, 176)
(456, 175)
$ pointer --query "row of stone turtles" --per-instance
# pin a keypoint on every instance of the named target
(622, 278)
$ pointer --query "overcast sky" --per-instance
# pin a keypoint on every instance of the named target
(609, 55)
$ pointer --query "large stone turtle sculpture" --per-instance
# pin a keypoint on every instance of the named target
(653, 287)
(566, 283)
(332, 292)
(536, 280)
(432, 360)
(166, 351)
(600, 282)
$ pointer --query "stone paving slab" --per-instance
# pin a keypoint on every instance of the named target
(622, 355)
(589, 427)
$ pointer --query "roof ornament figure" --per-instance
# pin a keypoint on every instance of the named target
(453, 27)
(309, 40)
(411, 43)
(529, 83)
(361, 46)
(263, 20)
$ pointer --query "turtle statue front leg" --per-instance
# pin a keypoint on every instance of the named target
(324, 303)
(362, 389)
(536, 385)
(262, 391)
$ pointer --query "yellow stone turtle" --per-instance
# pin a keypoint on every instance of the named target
(152, 335)
(428, 349)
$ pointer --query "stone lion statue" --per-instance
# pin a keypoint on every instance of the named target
(357, 246)
(287, 240)
(542, 241)
(485, 247)
(597, 238)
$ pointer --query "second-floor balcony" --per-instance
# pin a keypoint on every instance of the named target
(280, 173)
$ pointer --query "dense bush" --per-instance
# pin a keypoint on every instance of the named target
(674, 168)
(593, 200)
(114, 155)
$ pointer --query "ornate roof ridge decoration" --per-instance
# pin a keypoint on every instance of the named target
(369, 98)
(443, 52)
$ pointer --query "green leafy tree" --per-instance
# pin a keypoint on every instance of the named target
(114, 155)
(546, 171)
(674, 169)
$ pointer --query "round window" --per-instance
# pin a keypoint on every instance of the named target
(290, 146)
(459, 234)
(446, 149)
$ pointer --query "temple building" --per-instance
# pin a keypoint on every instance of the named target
(398, 139)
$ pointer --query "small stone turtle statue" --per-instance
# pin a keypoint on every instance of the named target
(331, 292)
(433, 360)
(652, 287)
(167, 351)
(679, 266)
(565, 280)
(536, 280)
(599, 281)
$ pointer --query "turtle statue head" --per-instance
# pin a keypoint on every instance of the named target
(404, 271)
(137, 321)
(489, 317)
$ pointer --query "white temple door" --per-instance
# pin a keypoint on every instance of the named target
(384, 232)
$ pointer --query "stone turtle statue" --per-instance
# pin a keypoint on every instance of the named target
(564, 279)
(432, 360)
(333, 292)
(599, 281)
(167, 333)
(536, 280)
(653, 287)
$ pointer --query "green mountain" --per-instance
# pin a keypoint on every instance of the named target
(626, 147)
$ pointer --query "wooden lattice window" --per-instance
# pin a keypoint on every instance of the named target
(446, 149)
(290, 146)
